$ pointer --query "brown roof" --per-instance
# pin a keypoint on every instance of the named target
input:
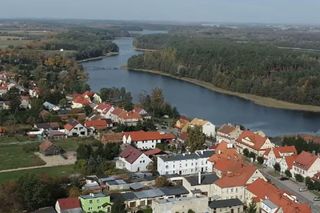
(130, 154)
(97, 124)
(112, 138)
(68, 203)
(45, 145)
(155, 151)
(226, 129)
(305, 160)
(257, 140)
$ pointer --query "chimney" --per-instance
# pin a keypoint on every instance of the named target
(199, 178)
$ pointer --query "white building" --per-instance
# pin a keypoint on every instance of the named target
(133, 160)
(74, 128)
(228, 133)
(146, 140)
(274, 155)
(306, 164)
(184, 164)
(208, 128)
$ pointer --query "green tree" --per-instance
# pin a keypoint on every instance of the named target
(252, 208)
(309, 183)
(252, 155)
(196, 139)
(118, 207)
(260, 160)
(13, 96)
(277, 167)
(246, 152)
(191, 211)
(88, 110)
(299, 177)
(288, 173)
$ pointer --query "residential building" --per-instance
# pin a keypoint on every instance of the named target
(104, 109)
(68, 205)
(197, 203)
(270, 199)
(182, 122)
(74, 128)
(133, 160)
(98, 202)
(184, 164)
(51, 107)
(99, 124)
(228, 133)
(112, 138)
(226, 206)
(146, 140)
(129, 118)
(254, 142)
(275, 154)
(25, 102)
(207, 127)
(306, 164)
(48, 148)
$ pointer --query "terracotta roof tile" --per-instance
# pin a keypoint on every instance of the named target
(68, 203)
(257, 140)
(130, 154)
(226, 129)
(305, 160)
(97, 124)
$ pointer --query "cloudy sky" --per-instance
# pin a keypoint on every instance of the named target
(253, 11)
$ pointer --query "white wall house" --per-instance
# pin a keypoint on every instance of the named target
(133, 160)
(146, 140)
(274, 155)
(208, 128)
(228, 133)
(74, 128)
(184, 164)
(306, 164)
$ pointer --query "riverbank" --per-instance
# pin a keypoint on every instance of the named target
(263, 101)
(99, 57)
(144, 50)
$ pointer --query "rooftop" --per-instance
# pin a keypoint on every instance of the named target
(187, 156)
(225, 203)
(205, 179)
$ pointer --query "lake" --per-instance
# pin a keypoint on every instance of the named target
(195, 101)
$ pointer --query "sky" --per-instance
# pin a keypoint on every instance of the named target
(235, 11)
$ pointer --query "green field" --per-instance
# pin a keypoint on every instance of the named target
(57, 171)
(71, 144)
(14, 139)
(13, 156)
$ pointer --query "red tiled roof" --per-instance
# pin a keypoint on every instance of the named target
(130, 154)
(311, 138)
(281, 150)
(68, 203)
(112, 138)
(155, 151)
(117, 111)
(143, 136)
(257, 140)
(81, 100)
(226, 129)
(239, 178)
(88, 93)
(97, 124)
(45, 145)
(68, 127)
(305, 160)
(290, 160)
(124, 115)
(104, 107)
(223, 152)
(275, 195)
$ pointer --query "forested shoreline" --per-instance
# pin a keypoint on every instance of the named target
(253, 68)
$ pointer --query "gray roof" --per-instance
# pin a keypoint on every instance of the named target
(216, 204)
(205, 179)
(270, 204)
(94, 196)
(174, 190)
(187, 156)
(136, 186)
(150, 193)
(128, 196)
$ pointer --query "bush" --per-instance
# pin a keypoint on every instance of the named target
(298, 177)
(288, 173)
(309, 183)
(260, 160)
(252, 155)
(246, 152)
(277, 167)
(32, 147)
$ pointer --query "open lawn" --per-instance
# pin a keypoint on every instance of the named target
(15, 139)
(57, 171)
(13, 156)
(6, 42)
(71, 144)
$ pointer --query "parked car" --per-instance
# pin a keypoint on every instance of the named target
(282, 178)
(303, 189)
(316, 198)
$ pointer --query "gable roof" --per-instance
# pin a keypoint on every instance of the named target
(226, 129)
(112, 138)
(290, 160)
(154, 135)
(71, 124)
(276, 196)
(155, 151)
(305, 160)
(251, 139)
(81, 100)
(205, 179)
(224, 151)
(68, 203)
(130, 154)
(124, 115)
(104, 107)
(45, 145)
(97, 124)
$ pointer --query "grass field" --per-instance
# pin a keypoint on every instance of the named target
(5, 42)
(13, 156)
(14, 139)
(71, 144)
(57, 171)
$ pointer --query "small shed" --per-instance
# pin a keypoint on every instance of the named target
(48, 148)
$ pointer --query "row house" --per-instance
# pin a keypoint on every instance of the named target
(270, 199)
(207, 127)
(306, 164)
(228, 133)
(133, 160)
(146, 140)
(185, 164)
(254, 142)
(276, 154)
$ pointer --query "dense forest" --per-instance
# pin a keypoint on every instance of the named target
(246, 67)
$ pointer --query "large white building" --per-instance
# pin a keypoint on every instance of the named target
(306, 164)
(146, 140)
(208, 128)
(184, 164)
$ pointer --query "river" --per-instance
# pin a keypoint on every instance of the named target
(195, 101)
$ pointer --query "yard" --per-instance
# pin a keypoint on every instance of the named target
(57, 171)
(13, 156)
(71, 144)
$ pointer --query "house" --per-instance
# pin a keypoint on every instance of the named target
(184, 164)
(25, 102)
(68, 205)
(56, 134)
(5, 105)
(74, 128)
(226, 206)
(270, 199)
(228, 133)
(47, 126)
(34, 92)
(3, 88)
(225, 151)
(98, 202)
(232, 185)
(172, 205)
(129, 118)
(133, 160)
(96, 124)
(142, 112)
(146, 140)
(114, 184)
(286, 163)
(104, 109)
(51, 107)
(253, 142)
(306, 164)
(182, 122)
(48, 148)
(112, 138)
(274, 155)
(208, 128)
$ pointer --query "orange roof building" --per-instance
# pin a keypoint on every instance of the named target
(306, 164)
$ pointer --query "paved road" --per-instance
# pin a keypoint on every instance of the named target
(293, 188)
